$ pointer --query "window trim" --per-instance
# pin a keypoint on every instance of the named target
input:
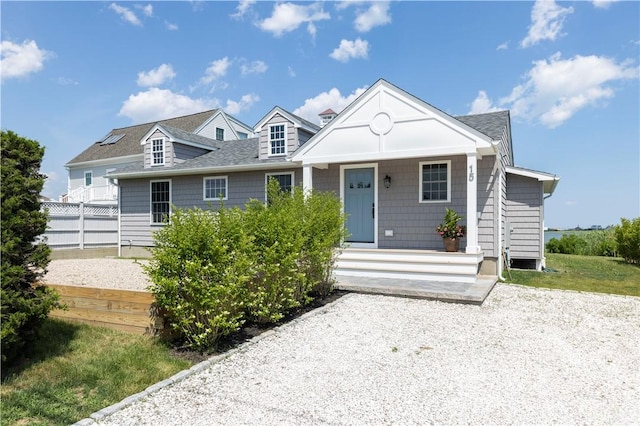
(84, 181)
(269, 174)
(222, 130)
(270, 141)
(204, 188)
(151, 182)
(162, 151)
(421, 181)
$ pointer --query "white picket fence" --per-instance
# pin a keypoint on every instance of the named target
(80, 226)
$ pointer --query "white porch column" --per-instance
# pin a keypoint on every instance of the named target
(307, 178)
(472, 204)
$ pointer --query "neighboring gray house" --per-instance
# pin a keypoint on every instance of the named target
(121, 148)
(395, 161)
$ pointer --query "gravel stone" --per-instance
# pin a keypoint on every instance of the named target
(123, 274)
(526, 356)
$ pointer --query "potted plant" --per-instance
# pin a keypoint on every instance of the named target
(451, 231)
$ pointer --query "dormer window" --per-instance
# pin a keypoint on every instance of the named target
(219, 134)
(277, 139)
(157, 152)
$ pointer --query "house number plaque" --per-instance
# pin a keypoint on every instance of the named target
(471, 174)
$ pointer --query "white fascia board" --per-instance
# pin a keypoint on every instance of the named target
(377, 156)
(168, 135)
(204, 170)
(105, 161)
(277, 110)
(549, 181)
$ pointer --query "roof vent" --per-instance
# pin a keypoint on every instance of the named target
(326, 116)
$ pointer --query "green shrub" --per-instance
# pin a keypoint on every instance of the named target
(588, 243)
(200, 268)
(212, 271)
(628, 239)
(24, 304)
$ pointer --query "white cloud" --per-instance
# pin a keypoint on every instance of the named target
(171, 27)
(126, 14)
(216, 70)
(547, 19)
(556, 89)
(332, 99)
(147, 10)
(287, 17)
(377, 14)
(351, 49)
(255, 67)
(157, 104)
(18, 60)
(291, 71)
(246, 102)
(603, 4)
(482, 104)
(243, 7)
(157, 76)
(63, 81)
(503, 46)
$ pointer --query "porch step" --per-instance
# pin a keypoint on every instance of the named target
(421, 265)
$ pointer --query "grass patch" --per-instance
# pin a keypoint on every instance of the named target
(583, 273)
(74, 370)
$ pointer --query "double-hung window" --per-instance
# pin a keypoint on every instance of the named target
(157, 152)
(277, 139)
(215, 188)
(88, 179)
(285, 180)
(219, 134)
(160, 201)
(435, 181)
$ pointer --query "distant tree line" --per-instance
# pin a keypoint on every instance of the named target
(622, 240)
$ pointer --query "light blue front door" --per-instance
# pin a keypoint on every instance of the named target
(359, 187)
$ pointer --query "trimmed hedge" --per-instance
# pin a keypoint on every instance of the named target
(212, 271)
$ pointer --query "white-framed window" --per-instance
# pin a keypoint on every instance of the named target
(88, 178)
(160, 201)
(435, 181)
(157, 152)
(284, 179)
(242, 135)
(219, 134)
(215, 188)
(278, 139)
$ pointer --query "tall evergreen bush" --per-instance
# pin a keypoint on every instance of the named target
(24, 304)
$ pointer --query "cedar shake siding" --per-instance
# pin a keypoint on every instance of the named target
(291, 136)
(524, 213)
(186, 192)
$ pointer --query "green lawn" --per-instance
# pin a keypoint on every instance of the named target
(583, 273)
(75, 370)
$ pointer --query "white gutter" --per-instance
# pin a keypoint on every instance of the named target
(201, 170)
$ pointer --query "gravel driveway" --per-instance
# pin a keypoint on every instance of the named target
(526, 356)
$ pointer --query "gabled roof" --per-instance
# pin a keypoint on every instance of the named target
(130, 143)
(228, 119)
(296, 120)
(327, 112)
(492, 124)
(181, 136)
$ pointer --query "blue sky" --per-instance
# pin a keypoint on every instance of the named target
(567, 71)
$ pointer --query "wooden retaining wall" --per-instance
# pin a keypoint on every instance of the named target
(126, 310)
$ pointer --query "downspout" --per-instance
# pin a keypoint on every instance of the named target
(500, 250)
(119, 220)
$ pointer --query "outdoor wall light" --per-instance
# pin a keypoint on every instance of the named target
(387, 181)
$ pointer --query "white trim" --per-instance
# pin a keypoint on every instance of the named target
(219, 128)
(550, 181)
(267, 175)
(269, 140)
(344, 167)
(151, 182)
(104, 161)
(84, 178)
(284, 114)
(204, 188)
(205, 170)
(163, 151)
(420, 181)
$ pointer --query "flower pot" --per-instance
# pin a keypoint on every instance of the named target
(451, 244)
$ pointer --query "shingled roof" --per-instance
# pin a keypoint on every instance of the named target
(491, 124)
(129, 144)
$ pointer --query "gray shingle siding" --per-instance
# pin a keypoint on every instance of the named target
(186, 192)
(185, 152)
(524, 211)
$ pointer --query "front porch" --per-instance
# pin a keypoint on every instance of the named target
(426, 274)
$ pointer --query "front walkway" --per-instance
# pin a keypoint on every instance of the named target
(474, 293)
